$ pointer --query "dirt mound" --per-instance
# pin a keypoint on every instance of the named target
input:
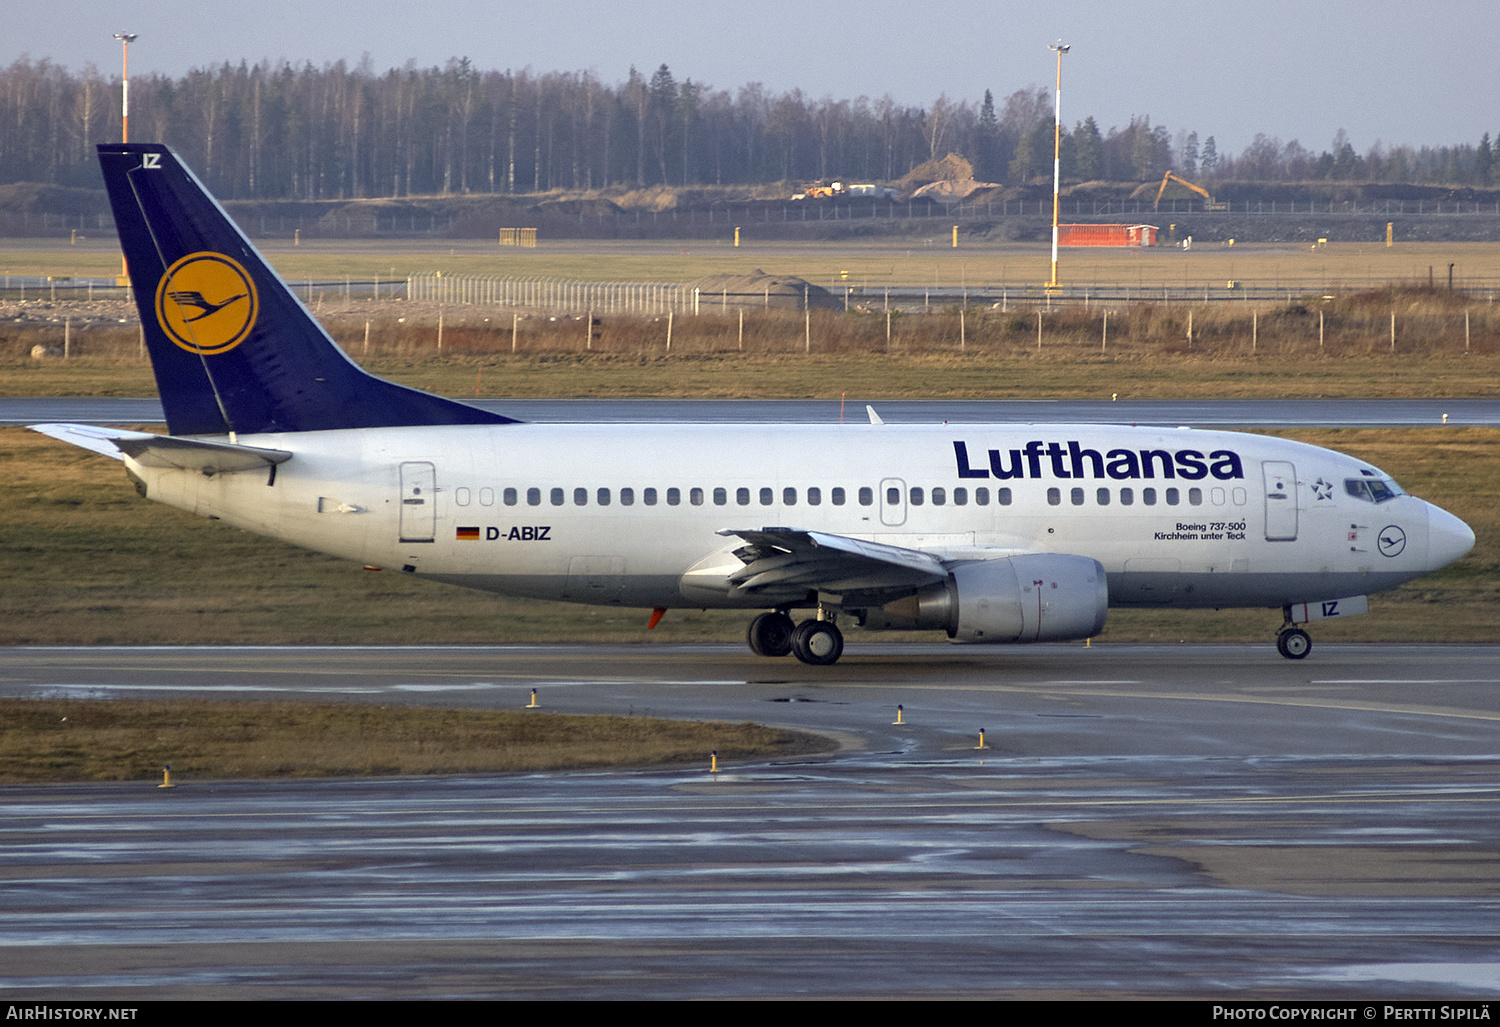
(952, 168)
(758, 289)
(80, 312)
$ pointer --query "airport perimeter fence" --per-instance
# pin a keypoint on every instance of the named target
(1237, 208)
(642, 298)
(57, 288)
(653, 299)
(650, 299)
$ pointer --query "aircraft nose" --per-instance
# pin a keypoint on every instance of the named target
(1448, 538)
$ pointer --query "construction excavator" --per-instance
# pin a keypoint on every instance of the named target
(1208, 201)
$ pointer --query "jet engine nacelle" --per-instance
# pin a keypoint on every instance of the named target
(1042, 597)
(1039, 597)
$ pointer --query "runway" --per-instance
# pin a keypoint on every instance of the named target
(1206, 413)
(1155, 821)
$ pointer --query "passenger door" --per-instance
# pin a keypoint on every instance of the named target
(1281, 501)
(418, 501)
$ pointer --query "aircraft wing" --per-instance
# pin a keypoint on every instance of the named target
(201, 455)
(777, 559)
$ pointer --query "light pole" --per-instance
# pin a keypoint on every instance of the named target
(125, 38)
(1058, 48)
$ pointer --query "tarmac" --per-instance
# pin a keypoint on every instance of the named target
(1143, 821)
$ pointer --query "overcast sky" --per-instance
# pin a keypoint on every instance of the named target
(1398, 72)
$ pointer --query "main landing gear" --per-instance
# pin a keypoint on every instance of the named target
(1293, 643)
(770, 634)
(815, 642)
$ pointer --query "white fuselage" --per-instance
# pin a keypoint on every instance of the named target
(629, 514)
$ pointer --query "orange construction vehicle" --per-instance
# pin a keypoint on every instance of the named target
(820, 190)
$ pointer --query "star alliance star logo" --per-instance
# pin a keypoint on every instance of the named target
(1323, 489)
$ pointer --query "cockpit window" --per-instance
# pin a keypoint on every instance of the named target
(1372, 490)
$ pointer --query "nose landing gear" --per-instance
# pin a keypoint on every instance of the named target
(1293, 643)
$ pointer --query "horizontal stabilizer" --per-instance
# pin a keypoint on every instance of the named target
(200, 455)
(87, 436)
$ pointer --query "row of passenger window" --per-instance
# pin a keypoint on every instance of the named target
(651, 497)
(865, 496)
(1173, 497)
(917, 497)
(767, 497)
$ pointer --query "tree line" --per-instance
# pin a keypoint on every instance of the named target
(280, 131)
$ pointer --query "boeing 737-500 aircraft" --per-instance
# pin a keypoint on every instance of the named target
(992, 533)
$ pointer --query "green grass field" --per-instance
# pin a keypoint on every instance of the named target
(122, 740)
(852, 377)
(1339, 266)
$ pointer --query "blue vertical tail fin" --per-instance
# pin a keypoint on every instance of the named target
(233, 350)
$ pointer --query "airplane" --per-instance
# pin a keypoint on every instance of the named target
(1000, 533)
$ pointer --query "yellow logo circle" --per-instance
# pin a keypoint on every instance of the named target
(206, 303)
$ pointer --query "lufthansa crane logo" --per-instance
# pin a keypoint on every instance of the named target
(1391, 540)
(206, 303)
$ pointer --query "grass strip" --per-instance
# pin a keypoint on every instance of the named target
(861, 377)
(867, 264)
(1412, 342)
(58, 740)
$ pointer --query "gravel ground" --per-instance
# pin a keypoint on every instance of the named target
(80, 312)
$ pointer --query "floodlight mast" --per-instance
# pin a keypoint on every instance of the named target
(125, 38)
(1058, 48)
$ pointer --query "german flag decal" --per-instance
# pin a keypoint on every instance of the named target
(468, 534)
